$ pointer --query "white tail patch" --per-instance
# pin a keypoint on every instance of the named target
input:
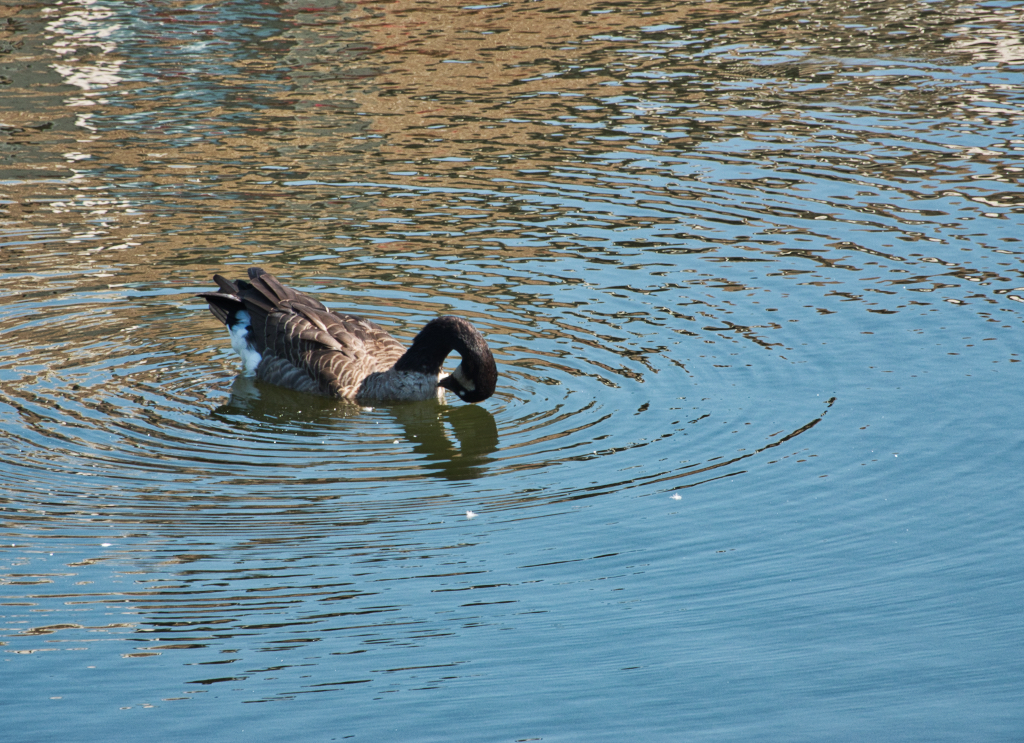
(239, 331)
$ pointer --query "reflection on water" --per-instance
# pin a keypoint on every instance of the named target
(460, 441)
(752, 273)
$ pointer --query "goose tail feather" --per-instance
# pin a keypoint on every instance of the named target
(223, 306)
(226, 285)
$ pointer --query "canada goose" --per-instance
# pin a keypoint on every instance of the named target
(289, 339)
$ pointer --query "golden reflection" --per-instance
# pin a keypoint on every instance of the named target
(236, 128)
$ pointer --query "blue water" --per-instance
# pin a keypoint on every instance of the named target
(753, 278)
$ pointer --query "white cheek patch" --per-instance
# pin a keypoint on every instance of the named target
(461, 378)
(240, 342)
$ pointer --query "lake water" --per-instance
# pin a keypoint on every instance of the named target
(754, 277)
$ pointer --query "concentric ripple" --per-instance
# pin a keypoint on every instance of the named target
(121, 409)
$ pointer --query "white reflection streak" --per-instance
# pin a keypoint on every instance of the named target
(91, 26)
(998, 40)
(89, 31)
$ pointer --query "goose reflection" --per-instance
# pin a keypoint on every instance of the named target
(459, 441)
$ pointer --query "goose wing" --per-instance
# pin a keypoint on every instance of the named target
(297, 335)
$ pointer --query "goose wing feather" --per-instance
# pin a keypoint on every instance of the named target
(298, 335)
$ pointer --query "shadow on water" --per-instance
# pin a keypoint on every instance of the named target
(458, 440)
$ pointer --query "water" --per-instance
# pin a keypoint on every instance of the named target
(752, 274)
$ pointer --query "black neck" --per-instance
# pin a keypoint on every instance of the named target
(439, 338)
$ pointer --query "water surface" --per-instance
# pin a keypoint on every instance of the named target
(753, 277)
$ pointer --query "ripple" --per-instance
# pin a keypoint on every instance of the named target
(123, 413)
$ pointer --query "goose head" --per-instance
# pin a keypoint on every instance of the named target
(472, 386)
(475, 378)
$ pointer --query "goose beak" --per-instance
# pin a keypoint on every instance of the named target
(463, 386)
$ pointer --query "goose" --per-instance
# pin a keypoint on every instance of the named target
(289, 339)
